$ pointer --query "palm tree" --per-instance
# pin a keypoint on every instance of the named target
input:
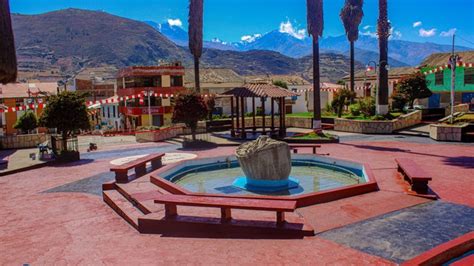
(195, 21)
(315, 29)
(383, 31)
(8, 65)
(351, 15)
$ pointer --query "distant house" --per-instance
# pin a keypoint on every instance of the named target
(16, 98)
(366, 80)
(438, 75)
(97, 83)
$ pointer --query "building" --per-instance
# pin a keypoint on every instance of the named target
(16, 98)
(215, 81)
(147, 94)
(438, 75)
(366, 80)
(97, 83)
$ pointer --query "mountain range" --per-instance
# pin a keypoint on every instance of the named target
(72, 39)
(401, 52)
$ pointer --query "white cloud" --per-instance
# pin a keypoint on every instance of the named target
(287, 27)
(417, 24)
(427, 33)
(367, 27)
(395, 34)
(369, 33)
(175, 22)
(250, 38)
(448, 33)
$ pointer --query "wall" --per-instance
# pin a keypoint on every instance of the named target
(158, 135)
(460, 108)
(378, 127)
(446, 87)
(443, 132)
(299, 122)
(23, 141)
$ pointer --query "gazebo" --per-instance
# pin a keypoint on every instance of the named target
(263, 91)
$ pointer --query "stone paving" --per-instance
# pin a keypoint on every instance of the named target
(54, 215)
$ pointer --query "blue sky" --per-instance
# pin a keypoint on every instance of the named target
(230, 20)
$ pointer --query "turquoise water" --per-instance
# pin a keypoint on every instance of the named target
(217, 178)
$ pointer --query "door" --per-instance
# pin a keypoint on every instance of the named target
(434, 101)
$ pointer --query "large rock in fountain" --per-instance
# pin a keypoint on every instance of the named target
(265, 159)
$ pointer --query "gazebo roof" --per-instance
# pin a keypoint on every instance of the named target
(260, 90)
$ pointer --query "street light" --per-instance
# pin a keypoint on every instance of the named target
(149, 93)
(453, 60)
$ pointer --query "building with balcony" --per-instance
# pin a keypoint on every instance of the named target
(147, 91)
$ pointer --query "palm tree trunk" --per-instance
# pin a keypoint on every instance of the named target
(384, 33)
(352, 67)
(197, 81)
(8, 64)
(316, 86)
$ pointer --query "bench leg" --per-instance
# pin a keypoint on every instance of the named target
(314, 150)
(140, 170)
(121, 177)
(295, 151)
(226, 215)
(420, 187)
(280, 218)
(171, 210)
(155, 164)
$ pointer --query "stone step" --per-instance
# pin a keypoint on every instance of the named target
(122, 207)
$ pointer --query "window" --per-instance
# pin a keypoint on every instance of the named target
(108, 111)
(113, 109)
(439, 78)
(176, 81)
(468, 75)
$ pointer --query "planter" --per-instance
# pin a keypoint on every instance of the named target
(311, 141)
(445, 132)
(158, 135)
(68, 157)
(22, 141)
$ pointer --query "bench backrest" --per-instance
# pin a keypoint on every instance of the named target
(233, 203)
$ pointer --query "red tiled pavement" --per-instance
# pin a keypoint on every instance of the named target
(77, 228)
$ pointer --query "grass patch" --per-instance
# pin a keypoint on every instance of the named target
(314, 136)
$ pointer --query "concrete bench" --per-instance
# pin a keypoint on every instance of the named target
(295, 147)
(226, 205)
(417, 177)
(121, 172)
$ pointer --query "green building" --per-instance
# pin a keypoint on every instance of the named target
(438, 75)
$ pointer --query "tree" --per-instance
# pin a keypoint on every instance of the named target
(67, 112)
(280, 84)
(189, 109)
(210, 105)
(8, 64)
(26, 122)
(383, 31)
(351, 15)
(342, 98)
(413, 87)
(315, 28)
(195, 21)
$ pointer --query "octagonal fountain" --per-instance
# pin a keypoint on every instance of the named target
(266, 167)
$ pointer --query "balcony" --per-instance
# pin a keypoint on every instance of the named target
(158, 90)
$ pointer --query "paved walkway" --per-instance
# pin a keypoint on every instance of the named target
(55, 214)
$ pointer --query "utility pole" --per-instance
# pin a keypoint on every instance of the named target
(453, 60)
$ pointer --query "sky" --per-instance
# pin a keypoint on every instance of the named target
(235, 20)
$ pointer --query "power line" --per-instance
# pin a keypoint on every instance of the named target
(464, 39)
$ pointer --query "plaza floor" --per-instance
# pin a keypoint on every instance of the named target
(56, 215)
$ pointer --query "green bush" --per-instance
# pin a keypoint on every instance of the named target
(354, 109)
(367, 106)
(26, 122)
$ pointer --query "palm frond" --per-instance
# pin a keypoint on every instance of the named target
(315, 18)
(351, 16)
(8, 64)
(195, 27)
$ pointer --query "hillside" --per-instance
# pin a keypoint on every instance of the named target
(72, 39)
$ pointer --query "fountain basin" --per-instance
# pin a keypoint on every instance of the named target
(259, 185)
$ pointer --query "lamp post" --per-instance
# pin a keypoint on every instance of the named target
(150, 118)
(376, 69)
(453, 60)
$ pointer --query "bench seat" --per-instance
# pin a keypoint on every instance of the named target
(121, 171)
(417, 177)
(295, 147)
(225, 204)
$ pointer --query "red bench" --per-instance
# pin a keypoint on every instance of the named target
(417, 177)
(121, 171)
(226, 205)
(295, 147)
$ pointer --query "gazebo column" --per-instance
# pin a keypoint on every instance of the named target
(253, 115)
(273, 115)
(237, 117)
(243, 133)
(281, 131)
(284, 115)
(232, 131)
(263, 116)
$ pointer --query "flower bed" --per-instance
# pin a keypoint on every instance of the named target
(378, 127)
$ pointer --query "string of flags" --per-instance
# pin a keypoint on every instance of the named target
(22, 108)
(447, 66)
(141, 98)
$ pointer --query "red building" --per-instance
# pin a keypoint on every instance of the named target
(138, 84)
